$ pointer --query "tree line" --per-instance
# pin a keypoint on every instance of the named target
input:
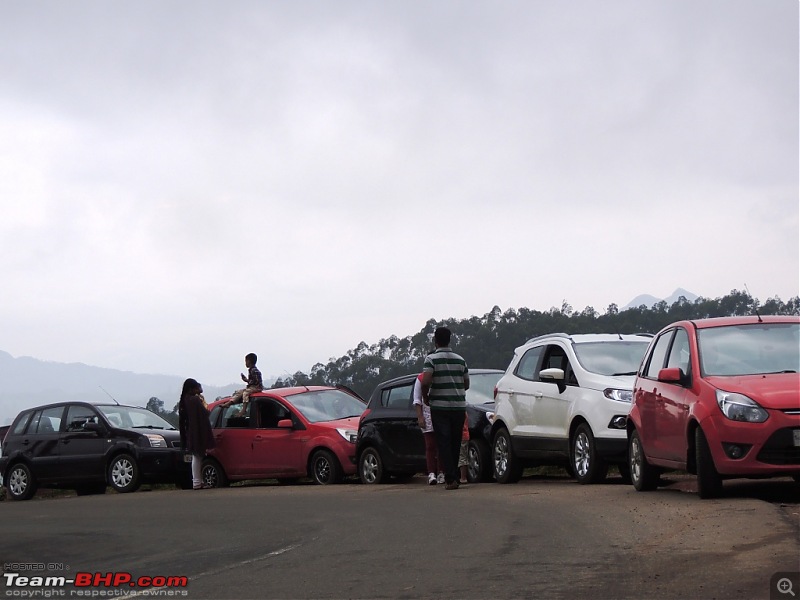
(489, 341)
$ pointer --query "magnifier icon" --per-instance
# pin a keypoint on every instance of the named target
(784, 586)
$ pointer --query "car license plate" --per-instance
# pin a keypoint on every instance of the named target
(796, 434)
(188, 457)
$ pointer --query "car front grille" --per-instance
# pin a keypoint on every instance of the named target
(780, 449)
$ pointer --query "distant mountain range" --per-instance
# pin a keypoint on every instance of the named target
(26, 382)
(650, 301)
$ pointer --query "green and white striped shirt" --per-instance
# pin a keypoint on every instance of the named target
(447, 386)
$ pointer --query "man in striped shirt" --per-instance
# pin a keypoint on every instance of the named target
(445, 380)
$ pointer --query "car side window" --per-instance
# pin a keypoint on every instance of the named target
(679, 354)
(526, 369)
(556, 358)
(79, 416)
(21, 423)
(658, 355)
(46, 421)
(270, 412)
(397, 397)
(230, 418)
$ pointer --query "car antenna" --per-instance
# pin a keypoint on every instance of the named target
(109, 395)
(755, 306)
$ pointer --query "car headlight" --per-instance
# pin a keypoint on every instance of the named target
(348, 434)
(156, 441)
(738, 407)
(618, 395)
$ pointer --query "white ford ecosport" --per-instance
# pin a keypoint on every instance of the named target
(564, 400)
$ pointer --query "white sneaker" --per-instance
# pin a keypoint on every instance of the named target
(431, 479)
(440, 479)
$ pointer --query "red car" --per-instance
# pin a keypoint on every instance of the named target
(287, 434)
(719, 398)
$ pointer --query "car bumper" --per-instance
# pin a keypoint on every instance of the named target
(769, 448)
(162, 465)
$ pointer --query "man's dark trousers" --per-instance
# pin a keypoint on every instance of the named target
(447, 427)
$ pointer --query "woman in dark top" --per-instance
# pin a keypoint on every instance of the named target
(196, 434)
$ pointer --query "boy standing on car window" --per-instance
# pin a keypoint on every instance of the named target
(254, 384)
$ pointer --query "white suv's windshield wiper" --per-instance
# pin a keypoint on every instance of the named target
(147, 427)
(620, 374)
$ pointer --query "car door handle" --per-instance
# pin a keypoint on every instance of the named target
(538, 395)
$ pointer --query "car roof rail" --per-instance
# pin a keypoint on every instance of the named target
(549, 335)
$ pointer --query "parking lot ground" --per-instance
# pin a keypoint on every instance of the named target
(545, 537)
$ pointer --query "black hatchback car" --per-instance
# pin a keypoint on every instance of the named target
(88, 446)
(390, 442)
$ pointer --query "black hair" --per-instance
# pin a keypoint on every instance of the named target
(442, 336)
(190, 386)
(251, 357)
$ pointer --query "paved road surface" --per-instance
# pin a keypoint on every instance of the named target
(542, 538)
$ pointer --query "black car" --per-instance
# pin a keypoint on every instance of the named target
(88, 446)
(390, 442)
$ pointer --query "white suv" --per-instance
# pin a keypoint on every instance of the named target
(564, 400)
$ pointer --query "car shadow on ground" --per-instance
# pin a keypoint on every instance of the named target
(783, 490)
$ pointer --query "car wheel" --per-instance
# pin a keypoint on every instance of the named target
(325, 468)
(123, 474)
(370, 467)
(91, 489)
(644, 476)
(20, 482)
(709, 483)
(507, 467)
(588, 467)
(479, 467)
(213, 475)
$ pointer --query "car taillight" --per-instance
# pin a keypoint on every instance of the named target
(494, 394)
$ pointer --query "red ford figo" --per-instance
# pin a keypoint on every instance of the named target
(719, 398)
(287, 434)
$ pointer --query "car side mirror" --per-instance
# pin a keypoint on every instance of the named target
(554, 375)
(285, 424)
(96, 427)
(672, 375)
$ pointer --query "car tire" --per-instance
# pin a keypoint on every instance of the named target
(586, 465)
(20, 482)
(644, 476)
(370, 467)
(709, 483)
(479, 467)
(324, 468)
(123, 474)
(213, 475)
(91, 489)
(507, 467)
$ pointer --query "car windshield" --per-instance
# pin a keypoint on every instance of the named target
(610, 358)
(749, 349)
(481, 387)
(327, 405)
(128, 417)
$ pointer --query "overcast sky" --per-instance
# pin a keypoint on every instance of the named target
(183, 182)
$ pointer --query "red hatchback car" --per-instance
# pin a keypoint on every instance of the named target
(287, 434)
(719, 398)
